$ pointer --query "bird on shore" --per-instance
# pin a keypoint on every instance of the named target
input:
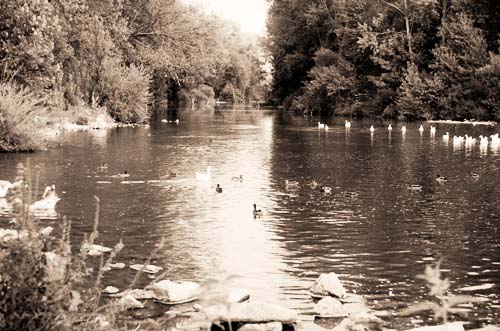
(372, 129)
(204, 176)
(5, 186)
(441, 179)
(257, 212)
(218, 189)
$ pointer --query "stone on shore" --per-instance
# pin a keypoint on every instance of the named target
(329, 307)
(149, 269)
(110, 290)
(252, 312)
(172, 291)
(329, 284)
(455, 326)
(129, 302)
(271, 326)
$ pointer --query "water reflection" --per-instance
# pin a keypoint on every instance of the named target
(371, 230)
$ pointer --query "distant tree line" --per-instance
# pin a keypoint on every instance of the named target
(124, 54)
(410, 58)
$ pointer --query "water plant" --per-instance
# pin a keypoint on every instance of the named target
(444, 304)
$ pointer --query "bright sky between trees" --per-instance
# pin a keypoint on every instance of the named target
(250, 14)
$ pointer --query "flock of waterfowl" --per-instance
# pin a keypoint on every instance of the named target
(466, 140)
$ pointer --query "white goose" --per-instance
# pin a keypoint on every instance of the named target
(321, 125)
(4, 187)
(347, 124)
(389, 127)
(372, 129)
(48, 201)
(403, 129)
(421, 129)
(204, 176)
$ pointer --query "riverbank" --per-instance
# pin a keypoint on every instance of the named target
(28, 124)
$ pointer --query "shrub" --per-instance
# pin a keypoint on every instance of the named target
(125, 90)
(17, 107)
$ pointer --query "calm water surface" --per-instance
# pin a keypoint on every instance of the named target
(372, 231)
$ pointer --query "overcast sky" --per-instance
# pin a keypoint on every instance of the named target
(250, 14)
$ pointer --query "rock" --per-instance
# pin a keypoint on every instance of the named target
(118, 265)
(236, 295)
(149, 269)
(110, 290)
(96, 250)
(355, 308)
(136, 294)
(172, 291)
(329, 284)
(455, 326)
(129, 302)
(271, 326)
(252, 312)
(329, 307)
(365, 318)
(55, 266)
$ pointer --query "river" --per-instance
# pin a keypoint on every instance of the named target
(371, 230)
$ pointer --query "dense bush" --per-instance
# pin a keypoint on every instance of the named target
(18, 108)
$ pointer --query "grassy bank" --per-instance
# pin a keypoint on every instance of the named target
(27, 123)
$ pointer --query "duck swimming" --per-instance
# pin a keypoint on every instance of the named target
(291, 184)
(421, 129)
(321, 125)
(440, 179)
(347, 124)
(218, 189)
(473, 175)
(414, 187)
(326, 189)
(237, 179)
(389, 127)
(372, 129)
(5, 186)
(125, 174)
(257, 212)
(403, 129)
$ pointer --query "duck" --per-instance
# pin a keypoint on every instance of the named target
(164, 120)
(125, 174)
(421, 129)
(257, 212)
(204, 176)
(48, 201)
(347, 124)
(291, 184)
(326, 127)
(473, 175)
(326, 189)
(389, 127)
(237, 179)
(177, 121)
(446, 136)
(5, 186)
(403, 129)
(433, 130)
(441, 179)
(314, 184)
(414, 187)
(321, 125)
(218, 189)
(103, 166)
(372, 129)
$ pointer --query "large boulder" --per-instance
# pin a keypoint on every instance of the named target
(271, 326)
(172, 291)
(252, 312)
(328, 284)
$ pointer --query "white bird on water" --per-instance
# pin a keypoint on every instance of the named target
(347, 124)
(5, 186)
(403, 129)
(389, 127)
(48, 201)
(321, 125)
(372, 129)
(204, 176)
(421, 129)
